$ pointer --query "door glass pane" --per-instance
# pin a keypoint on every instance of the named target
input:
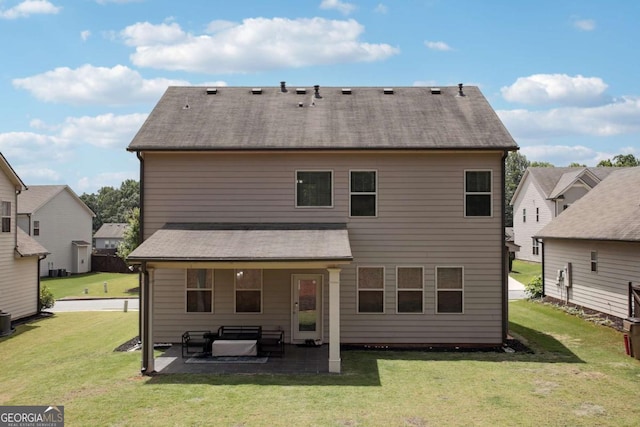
(307, 303)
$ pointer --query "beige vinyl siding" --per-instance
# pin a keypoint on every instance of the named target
(18, 277)
(420, 222)
(605, 290)
(530, 199)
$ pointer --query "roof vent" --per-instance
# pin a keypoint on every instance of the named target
(316, 88)
(346, 91)
(435, 91)
(460, 92)
(186, 104)
(283, 87)
(387, 91)
(212, 91)
(301, 91)
(256, 91)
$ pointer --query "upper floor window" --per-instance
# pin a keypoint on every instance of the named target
(371, 290)
(363, 189)
(537, 214)
(6, 217)
(524, 215)
(410, 289)
(36, 228)
(535, 244)
(594, 261)
(477, 193)
(314, 189)
(248, 291)
(199, 290)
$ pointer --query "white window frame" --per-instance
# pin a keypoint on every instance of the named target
(36, 228)
(535, 246)
(399, 289)
(358, 290)
(363, 193)
(188, 289)
(478, 193)
(524, 215)
(594, 261)
(295, 180)
(236, 290)
(437, 290)
(4, 206)
(537, 214)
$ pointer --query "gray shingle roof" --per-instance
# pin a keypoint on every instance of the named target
(553, 180)
(27, 245)
(38, 195)
(246, 242)
(611, 211)
(11, 174)
(236, 119)
(112, 230)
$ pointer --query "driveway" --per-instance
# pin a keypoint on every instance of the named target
(107, 304)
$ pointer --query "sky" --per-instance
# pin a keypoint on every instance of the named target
(79, 77)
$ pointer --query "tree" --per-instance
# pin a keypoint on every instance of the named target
(577, 165)
(112, 204)
(515, 166)
(541, 165)
(621, 161)
(131, 234)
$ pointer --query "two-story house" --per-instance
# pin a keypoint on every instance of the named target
(19, 253)
(60, 221)
(362, 215)
(109, 236)
(591, 252)
(543, 194)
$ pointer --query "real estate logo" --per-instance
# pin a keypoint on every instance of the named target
(31, 416)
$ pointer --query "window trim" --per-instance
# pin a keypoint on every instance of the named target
(295, 183)
(437, 290)
(235, 290)
(594, 262)
(537, 214)
(478, 193)
(535, 246)
(524, 215)
(398, 289)
(188, 289)
(36, 228)
(383, 290)
(3, 216)
(363, 193)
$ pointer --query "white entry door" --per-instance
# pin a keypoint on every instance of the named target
(306, 307)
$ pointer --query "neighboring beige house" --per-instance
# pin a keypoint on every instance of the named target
(543, 194)
(60, 221)
(363, 215)
(592, 251)
(109, 236)
(19, 253)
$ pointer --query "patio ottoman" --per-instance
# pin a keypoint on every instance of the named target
(234, 348)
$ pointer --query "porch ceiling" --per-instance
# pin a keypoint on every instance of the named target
(201, 242)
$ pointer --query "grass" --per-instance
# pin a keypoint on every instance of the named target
(578, 376)
(118, 285)
(524, 271)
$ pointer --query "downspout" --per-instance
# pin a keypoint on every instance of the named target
(505, 279)
(140, 235)
(39, 284)
(147, 342)
(543, 276)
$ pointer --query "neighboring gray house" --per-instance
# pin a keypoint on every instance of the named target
(60, 221)
(109, 236)
(544, 193)
(592, 251)
(362, 215)
(19, 253)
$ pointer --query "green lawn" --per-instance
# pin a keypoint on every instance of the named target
(578, 376)
(524, 271)
(118, 285)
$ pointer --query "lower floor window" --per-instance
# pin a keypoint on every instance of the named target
(370, 289)
(248, 284)
(410, 289)
(449, 289)
(199, 291)
(535, 246)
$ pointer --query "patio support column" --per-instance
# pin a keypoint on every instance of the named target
(334, 320)
(146, 332)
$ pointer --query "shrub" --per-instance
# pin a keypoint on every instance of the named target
(534, 287)
(46, 297)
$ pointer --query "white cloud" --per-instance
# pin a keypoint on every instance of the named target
(584, 24)
(342, 7)
(545, 89)
(441, 46)
(109, 179)
(220, 25)
(617, 118)
(254, 45)
(381, 8)
(563, 155)
(28, 8)
(84, 35)
(38, 173)
(106, 131)
(87, 84)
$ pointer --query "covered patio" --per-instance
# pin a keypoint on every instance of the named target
(268, 247)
